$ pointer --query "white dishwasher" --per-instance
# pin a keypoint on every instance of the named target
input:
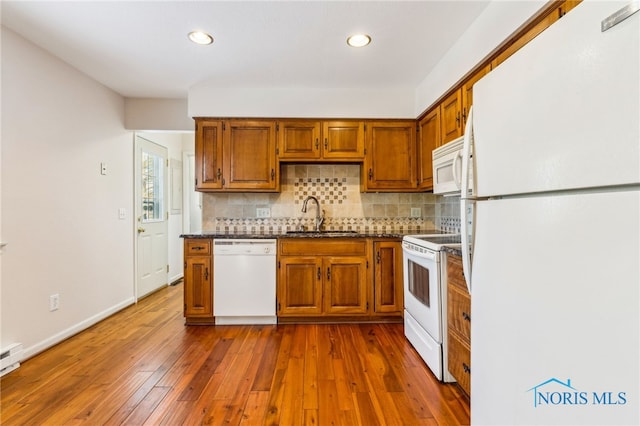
(244, 281)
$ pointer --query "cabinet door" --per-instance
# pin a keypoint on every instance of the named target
(467, 92)
(299, 140)
(299, 286)
(198, 288)
(343, 140)
(345, 290)
(208, 155)
(428, 140)
(451, 117)
(390, 162)
(388, 290)
(250, 155)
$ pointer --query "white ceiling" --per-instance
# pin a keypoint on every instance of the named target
(140, 49)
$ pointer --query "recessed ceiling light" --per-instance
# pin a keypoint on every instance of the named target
(358, 40)
(200, 37)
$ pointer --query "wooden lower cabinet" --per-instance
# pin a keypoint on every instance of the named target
(388, 292)
(198, 281)
(300, 286)
(327, 279)
(345, 285)
(459, 324)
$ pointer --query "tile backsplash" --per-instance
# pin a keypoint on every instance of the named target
(337, 188)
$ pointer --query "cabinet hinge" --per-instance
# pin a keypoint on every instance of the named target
(167, 268)
(167, 162)
(224, 126)
(278, 264)
(196, 181)
(367, 306)
(279, 307)
(277, 151)
(367, 264)
(277, 127)
(185, 265)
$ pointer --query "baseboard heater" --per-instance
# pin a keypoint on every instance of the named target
(10, 358)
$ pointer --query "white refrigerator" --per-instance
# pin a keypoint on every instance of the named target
(553, 257)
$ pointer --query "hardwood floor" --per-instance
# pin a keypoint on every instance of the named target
(144, 366)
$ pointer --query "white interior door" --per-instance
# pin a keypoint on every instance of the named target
(151, 212)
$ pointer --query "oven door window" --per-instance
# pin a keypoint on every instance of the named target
(419, 281)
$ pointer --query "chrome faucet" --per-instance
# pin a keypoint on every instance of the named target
(319, 213)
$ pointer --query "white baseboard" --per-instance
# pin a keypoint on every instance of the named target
(75, 329)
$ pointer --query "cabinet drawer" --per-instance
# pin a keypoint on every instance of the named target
(459, 310)
(459, 357)
(323, 247)
(197, 247)
(455, 274)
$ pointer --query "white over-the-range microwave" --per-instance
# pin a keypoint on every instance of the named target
(447, 168)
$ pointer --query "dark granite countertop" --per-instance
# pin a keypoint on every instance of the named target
(323, 234)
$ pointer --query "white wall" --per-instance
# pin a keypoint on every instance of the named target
(496, 23)
(59, 214)
(210, 101)
(157, 114)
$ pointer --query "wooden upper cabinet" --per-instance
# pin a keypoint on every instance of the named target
(236, 155)
(390, 160)
(306, 140)
(428, 140)
(208, 155)
(343, 140)
(467, 92)
(451, 117)
(532, 33)
(250, 155)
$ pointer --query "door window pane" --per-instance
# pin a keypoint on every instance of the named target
(152, 190)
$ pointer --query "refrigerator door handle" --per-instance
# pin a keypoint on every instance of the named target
(467, 234)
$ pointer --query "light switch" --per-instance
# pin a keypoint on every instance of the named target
(103, 168)
(122, 213)
(416, 212)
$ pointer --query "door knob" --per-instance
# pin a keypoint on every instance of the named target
(140, 230)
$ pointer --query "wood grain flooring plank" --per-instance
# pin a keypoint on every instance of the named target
(144, 366)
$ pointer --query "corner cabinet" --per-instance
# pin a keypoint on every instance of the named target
(236, 155)
(390, 156)
(428, 140)
(198, 281)
(311, 140)
(459, 324)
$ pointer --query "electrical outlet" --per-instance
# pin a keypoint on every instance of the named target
(263, 212)
(54, 302)
(416, 212)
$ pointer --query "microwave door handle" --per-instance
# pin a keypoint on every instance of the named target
(457, 180)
